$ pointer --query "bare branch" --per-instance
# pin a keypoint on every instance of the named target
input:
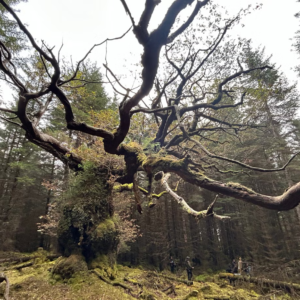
(24, 29)
(11, 122)
(87, 54)
(150, 111)
(228, 79)
(128, 12)
(150, 61)
(232, 125)
(199, 214)
(115, 77)
(141, 30)
(8, 110)
(45, 66)
(214, 107)
(42, 110)
(15, 81)
(184, 26)
(240, 163)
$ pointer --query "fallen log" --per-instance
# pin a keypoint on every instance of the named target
(113, 283)
(19, 267)
(187, 282)
(26, 258)
(15, 259)
(4, 278)
(289, 287)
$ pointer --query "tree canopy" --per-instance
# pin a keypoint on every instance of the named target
(205, 107)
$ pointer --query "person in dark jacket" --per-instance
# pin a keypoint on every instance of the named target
(229, 269)
(233, 266)
(172, 264)
(189, 268)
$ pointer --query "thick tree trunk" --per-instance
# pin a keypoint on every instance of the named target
(87, 225)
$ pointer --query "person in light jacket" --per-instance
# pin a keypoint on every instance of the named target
(240, 266)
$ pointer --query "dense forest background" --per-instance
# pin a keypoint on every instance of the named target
(33, 185)
(38, 191)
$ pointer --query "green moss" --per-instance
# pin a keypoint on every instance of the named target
(35, 283)
(202, 278)
(191, 295)
(104, 267)
(135, 149)
(87, 206)
(167, 163)
(123, 187)
(240, 187)
(106, 227)
(72, 266)
(101, 262)
(159, 195)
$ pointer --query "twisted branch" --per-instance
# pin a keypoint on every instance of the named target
(199, 214)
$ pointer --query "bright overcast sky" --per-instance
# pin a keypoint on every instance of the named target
(80, 24)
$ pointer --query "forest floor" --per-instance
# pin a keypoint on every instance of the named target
(34, 280)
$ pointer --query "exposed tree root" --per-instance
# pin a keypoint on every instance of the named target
(113, 283)
(133, 282)
(122, 285)
(170, 290)
(187, 282)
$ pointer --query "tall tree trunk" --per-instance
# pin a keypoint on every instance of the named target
(87, 225)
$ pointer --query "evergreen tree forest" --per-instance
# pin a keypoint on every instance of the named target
(198, 158)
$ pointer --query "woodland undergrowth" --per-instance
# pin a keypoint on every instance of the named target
(35, 279)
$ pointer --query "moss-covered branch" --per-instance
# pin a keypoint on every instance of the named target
(21, 266)
(288, 200)
(240, 163)
(129, 187)
(199, 214)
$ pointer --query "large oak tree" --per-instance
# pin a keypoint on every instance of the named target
(193, 85)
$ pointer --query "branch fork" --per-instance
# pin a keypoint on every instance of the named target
(198, 214)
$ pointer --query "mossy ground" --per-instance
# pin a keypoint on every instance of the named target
(37, 282)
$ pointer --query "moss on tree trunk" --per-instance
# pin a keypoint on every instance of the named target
(87, 225)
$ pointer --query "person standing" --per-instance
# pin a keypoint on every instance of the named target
(172, 264)
(189, 268)
(240, 266)
(233, 266)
